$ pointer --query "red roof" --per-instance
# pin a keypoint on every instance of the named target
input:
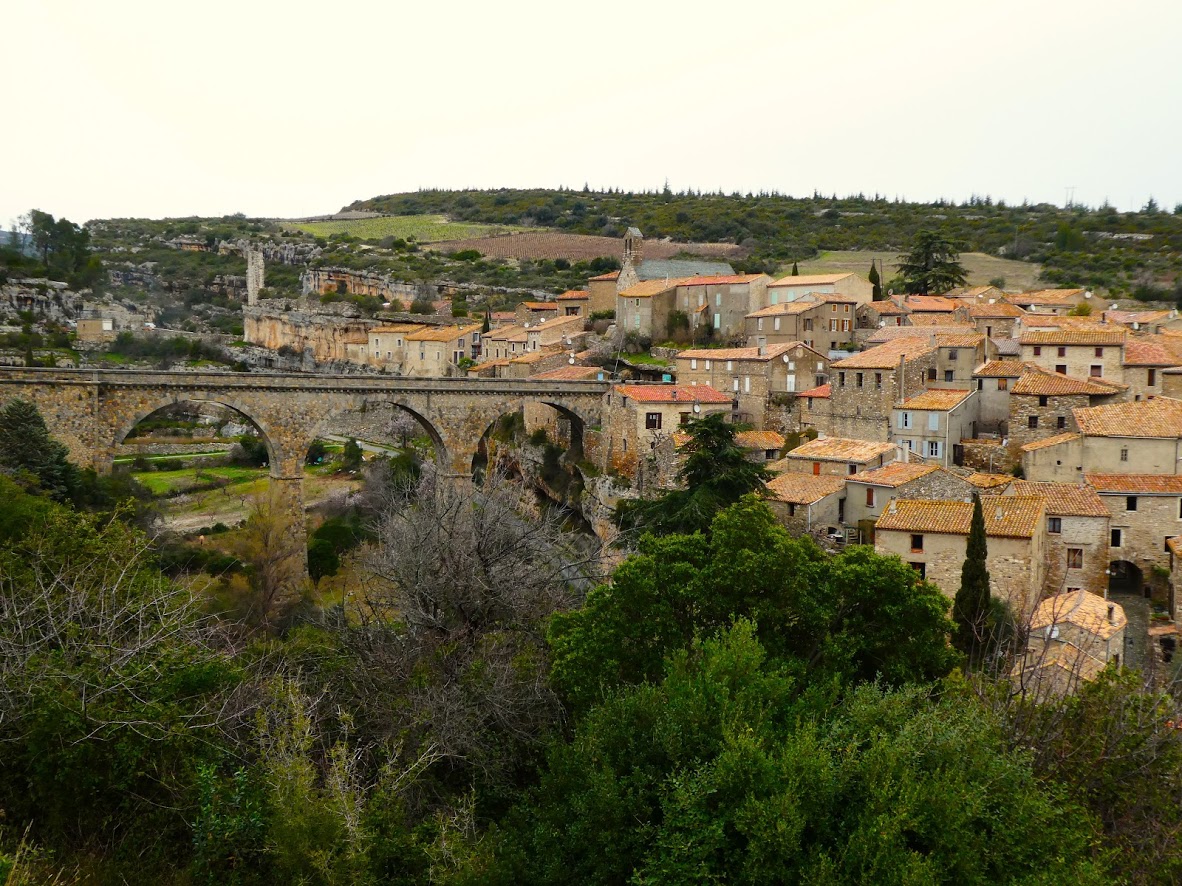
(610, 275)
(824, 391)
(672, 393)
(573, 294)
(715, 281)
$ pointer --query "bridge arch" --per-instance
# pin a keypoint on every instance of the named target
(574, 436)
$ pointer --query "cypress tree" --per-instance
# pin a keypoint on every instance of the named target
(875, 281)
(795, 270)
(970, 609)
(487, 322)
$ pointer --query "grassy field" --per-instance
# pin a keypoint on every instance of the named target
(424, 228)
(164, 482)
(1020, 276)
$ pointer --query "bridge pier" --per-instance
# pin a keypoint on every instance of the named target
(290, 527)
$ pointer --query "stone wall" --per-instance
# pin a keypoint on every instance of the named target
(1053, 419)
(47, 299)
(864, 412)
(1090, 535)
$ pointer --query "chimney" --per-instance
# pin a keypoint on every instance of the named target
(762, 350)
(675, 393)
(1111, 616)
(900, 378)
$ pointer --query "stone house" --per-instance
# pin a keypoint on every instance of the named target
(644, 308)
(754, 376)
(637, 419)
(997, 319)
(823, 322)
(883, 313)
(932, 423)
(96, 329)
(601, 292)
(957, 357)
(936, 309)
(1071, 638)
(504, 343)
(1145, 322)
(1051, 301)
(933, 537)
(1043, 404)
(574, 303)
(722, 302)
(556, 332)
(1077, 534)
(1084, 353)
(760, 446)
(865, 387)
(994, 381)
(1113, 439)
(835, 456)
(387, 344)
(435, 351)
(868, 493)
(1143, 365)
(1145, 511)
(804, 503)
(792, 288)
(533, 312)
(812, 409)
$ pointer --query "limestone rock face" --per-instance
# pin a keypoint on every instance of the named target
(324, 334)
(47, 299)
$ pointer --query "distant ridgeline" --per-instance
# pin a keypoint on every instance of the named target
(20, 241)
(1139, 253)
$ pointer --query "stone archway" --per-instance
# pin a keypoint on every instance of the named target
(1125, 578)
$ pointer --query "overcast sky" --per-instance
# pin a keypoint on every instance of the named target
(289, 108)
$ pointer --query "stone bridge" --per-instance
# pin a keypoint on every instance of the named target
(92, 411)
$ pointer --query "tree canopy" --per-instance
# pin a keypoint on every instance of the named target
(932, 266)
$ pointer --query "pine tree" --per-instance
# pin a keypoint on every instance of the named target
(876, 282)
(971, 608)
(795, 270)
(26, 447)
(932, 266)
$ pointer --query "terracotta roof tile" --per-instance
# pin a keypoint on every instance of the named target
(989, 481)
(886, 356)
(760, 440)
(1084, 610)
(649, 288)
(1006, 516)
(789, 308)
(721, 279)
(398, 327)
(935, 303)
(672, 393)
(539, 305)
(1087, 337)
(442, 333)
(769, 353)
(823, 392)
(927, 332)
(938, 399)
(1002, 369)
(610, 275)
(895, 474)
(1055, 384)
(1156, 417)
(571, 373)
(1046, 296)
(804, 489)
(1064, 499)
(840, 449)
(959, 340)
(1139, 484)
(1144, 353)
(1050, 441)
(574, 295)
(1129, 317)
(999, 309)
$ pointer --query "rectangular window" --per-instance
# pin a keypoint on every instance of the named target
(931, 373)
(1152, 377)
(730, 364)
(878, 381)
(1042, 400)
(1032, 421)
(693, 363)
(735, 384)
(948, 376)
(1061, 368)
(1061, 422)
(858, 380)
(869, 496)
(1054, 524)
(1130, 502)
(933, 421)
(1096, 371)
(841, 379)
(746, 384)
(776, 324)
(816, 469)
(851, 469)
(1124, 454)
(1114, 539)
(933, 448)
(1003, 384)
(921, 568)
(917, 543)
(845, 325)
(952, 354)
(1075, 558)
(1037, 351)
(833, 326)
(652, 421)
(759, 325)
(1062, 352)
(904, 419)
(718, 299)
(718, 321)
(707, 364)
(1099, 352)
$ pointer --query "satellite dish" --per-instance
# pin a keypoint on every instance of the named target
(784, 357)
(571, 359)
(697, 407)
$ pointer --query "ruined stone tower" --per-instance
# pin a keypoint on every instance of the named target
(254, 273)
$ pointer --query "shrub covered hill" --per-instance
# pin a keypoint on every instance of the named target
(1126, 253)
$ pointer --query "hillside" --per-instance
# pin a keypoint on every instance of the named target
(1136, 253)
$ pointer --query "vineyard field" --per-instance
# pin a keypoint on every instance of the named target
(423, 228)
(539, 244)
